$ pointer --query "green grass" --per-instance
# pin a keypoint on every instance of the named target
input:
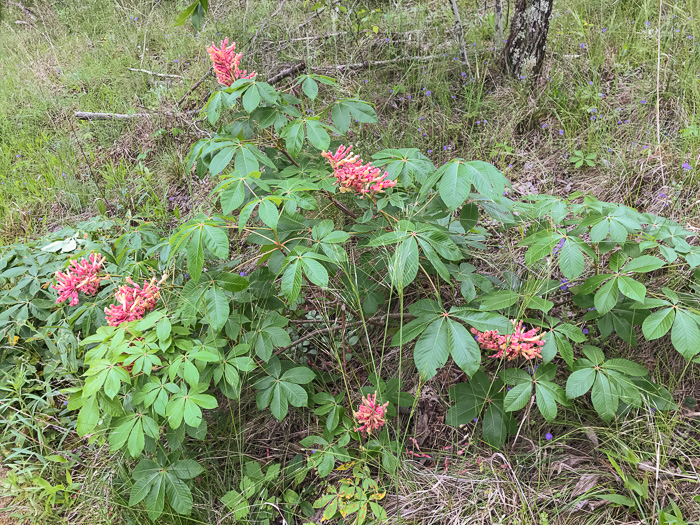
(601, 65)
(53, 168)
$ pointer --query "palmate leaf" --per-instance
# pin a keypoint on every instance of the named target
(658, 323)
(317, 135)
(281, 390)
(517, 397)
(496, 424)
(571, 260)
(217, 307)
(179, 495)
(455, 184)
(580, 382)
(432, 349)
(155, 499)
(606, 297)
(154, 481)
(403, 266)
(463, 348)
(186, 405)
(545, 396)
(685, 335)
(605, 397)
(404, 165)
(472, 398)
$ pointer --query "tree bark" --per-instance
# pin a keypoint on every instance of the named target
(460, 33)
(524, 51)
(498, 23)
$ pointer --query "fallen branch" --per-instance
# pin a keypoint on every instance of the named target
(165, 75)
(87, 115)
(198, 83)
(362, 65)
(23, 9)
(287, 73)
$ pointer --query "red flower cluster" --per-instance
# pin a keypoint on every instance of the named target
(80, 277)
(351, 175)
(226, 62)
(133, 301)
(370, 415)
(527, 344)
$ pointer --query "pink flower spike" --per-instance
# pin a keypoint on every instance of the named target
(226, 62)
(527, 345)
(133, 301)
(81, 276)
(370, 415)
(351, 175)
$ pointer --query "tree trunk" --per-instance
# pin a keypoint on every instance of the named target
(498, 23)
(524, 51)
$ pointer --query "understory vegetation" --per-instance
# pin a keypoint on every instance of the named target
(353, 275)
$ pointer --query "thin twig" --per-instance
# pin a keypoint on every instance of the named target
(273, 15)
(527, 414)
(334, 327)
(362, 65)
(308, 20)
(165, 75)
(313, 334)
(287, 73)
(341, 206)
(369, 321)
(23, 9)
(197, 84)
(145, 32)
(87, 162)
(89, 115)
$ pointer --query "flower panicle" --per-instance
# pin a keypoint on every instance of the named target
(81, 276)
(351, 175)
(525, 344)
(225, 62)
(133, 301)
(371, 415)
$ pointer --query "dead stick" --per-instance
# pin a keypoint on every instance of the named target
(287, 73)
(318, 12)
(23, 9)
(87, 115)
(362, 65)
(199, 83)
(165, 75)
